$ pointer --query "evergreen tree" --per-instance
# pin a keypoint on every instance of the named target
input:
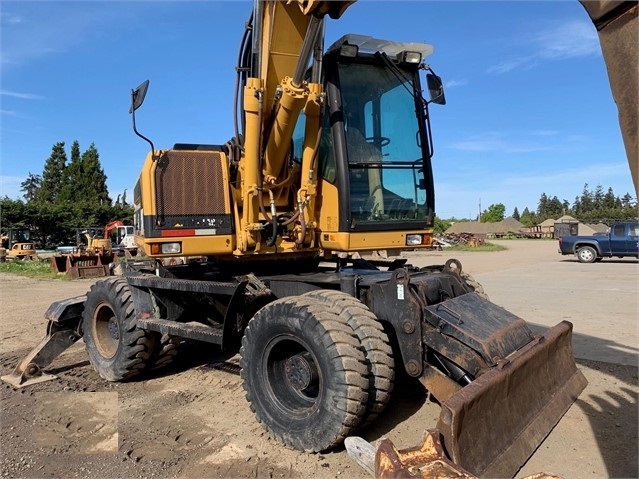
(53, 174)
(609, 200)
(586, 202)
(598, 198)
(527, 218)
(31, 187)
(516, 214)
(549, 208)
(93, 184)
(554, 208)
(542, 206)
(576, 206)
(73, 177)
(626, 200)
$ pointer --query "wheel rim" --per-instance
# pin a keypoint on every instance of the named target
(586, 255)
(106, 330)
(293, 379)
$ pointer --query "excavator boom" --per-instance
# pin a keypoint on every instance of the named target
(618, 29)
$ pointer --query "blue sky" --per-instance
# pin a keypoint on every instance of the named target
(529, 108)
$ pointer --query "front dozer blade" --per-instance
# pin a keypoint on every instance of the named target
(493, 425)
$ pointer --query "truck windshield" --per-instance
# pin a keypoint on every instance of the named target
(385, 158)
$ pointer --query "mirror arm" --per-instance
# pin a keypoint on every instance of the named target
(135, 130)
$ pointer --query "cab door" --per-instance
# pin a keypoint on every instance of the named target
(618, 240)
(632, 240)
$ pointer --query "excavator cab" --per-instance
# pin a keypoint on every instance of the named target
(375, 149)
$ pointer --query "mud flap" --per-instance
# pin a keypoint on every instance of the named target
(493, 425)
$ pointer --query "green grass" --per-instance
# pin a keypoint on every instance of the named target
(31, 269)
(478, 249)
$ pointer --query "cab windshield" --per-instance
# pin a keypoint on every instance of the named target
(383, 142)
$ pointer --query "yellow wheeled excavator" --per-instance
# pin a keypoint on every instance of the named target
(331, 156)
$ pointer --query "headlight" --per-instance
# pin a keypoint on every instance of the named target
(348, 50)
(166, 248)
(414, 240)
(171, 248)
(410, 57)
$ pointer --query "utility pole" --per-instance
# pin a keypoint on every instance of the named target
(479, 215)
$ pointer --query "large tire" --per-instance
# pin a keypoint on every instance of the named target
(586, 254)
(117, 348)
(165, 352)
(476, 285)
(304, 374)
(375, 345)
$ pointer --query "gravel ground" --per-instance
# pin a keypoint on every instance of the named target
(193, 421)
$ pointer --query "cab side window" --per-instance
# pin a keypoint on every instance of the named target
(619, 230)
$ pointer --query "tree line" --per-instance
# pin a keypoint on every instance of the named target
(72, 194)
(592, 206)
(69, 194)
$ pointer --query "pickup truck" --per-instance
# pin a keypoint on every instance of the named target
(622, 239)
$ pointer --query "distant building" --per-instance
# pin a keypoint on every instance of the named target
(569, 226)
(508, 226)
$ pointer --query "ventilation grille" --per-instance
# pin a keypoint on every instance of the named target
(190, 183)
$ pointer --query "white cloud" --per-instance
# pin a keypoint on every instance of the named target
(559, 41)
(23, 96)
(455, 83)
(500, 142)
(544, 132)
(573, 39)
(9, 18)
(32, 30)
(509, 65)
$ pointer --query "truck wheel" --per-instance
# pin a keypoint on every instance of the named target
(586, 254)
(374, 343)
(304, 375)
(117, 348)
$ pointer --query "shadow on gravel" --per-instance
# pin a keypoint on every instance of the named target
(605, 260)
(612, 411)
(613, 416)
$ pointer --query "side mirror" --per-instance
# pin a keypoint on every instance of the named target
(137, 96)
(435, 89)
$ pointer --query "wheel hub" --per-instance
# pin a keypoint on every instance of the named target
(300, 371)
(113, 327)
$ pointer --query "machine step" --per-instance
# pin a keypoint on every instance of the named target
(191, 330)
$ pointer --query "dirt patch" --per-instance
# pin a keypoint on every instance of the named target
(192, 421)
